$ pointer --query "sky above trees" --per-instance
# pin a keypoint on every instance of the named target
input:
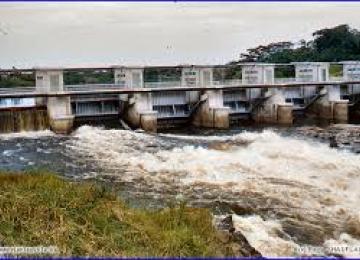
(57, 34)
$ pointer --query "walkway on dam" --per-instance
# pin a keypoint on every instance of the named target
(93, 89)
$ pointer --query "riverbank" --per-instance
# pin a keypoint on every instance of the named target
(40, 209)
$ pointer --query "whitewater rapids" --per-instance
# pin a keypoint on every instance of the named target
(286, 192)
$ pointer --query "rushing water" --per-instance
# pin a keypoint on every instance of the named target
(287, 190)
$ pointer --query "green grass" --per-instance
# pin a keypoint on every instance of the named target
(85, 219)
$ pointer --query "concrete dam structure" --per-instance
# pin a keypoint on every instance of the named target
(197, 96)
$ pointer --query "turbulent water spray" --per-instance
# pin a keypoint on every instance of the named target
(287, 180)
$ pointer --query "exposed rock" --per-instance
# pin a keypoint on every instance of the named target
(237, 241)
(353, 226)
(236, 249)
(244, 246)
(339, 135)
(226, 223)
(333, 143)
(223, 146)
(223, 235)
(303, 232)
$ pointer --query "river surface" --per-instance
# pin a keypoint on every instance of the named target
(286, 190)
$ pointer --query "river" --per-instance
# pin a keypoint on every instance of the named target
(287, 189)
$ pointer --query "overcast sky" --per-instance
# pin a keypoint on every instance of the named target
(51, 34)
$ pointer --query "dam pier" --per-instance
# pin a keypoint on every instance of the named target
(203, 96)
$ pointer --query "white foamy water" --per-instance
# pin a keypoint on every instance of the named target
(268, 155)
(300, 179)
(27, 134)
(263, 235)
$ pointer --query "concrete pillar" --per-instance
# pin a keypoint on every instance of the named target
(285, 113)
(257, 73)
(310, 72)
(330, 106)
(59, 112)
(50, 80)
(351, 71)
(211, 113)
(274, 110)
(140, 113)
(129, 77)
(190, 77)
(341, 110)
(206, 77)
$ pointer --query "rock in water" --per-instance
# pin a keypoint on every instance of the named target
(333, 143)
(302, 232)
(237, 241)
(245, 248)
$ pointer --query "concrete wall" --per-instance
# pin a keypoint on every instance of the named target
(48, 81)
(351, 71)
(330, 106)
(129, 77)
(140, 112)
(58, 108)
(274, 110)
(59, 112)
(192, 76)
(257, 74)
(211, 113)
(310, 72)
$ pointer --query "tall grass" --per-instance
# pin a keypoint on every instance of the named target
(85, 219)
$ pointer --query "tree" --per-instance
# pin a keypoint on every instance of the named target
(330, 44)
(263, 52)
(338, 43)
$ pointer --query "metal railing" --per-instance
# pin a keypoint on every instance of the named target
(171, 84)
(228, 82)
(284, 80)
(87, 87)
(162, 84)
(336, 78)
(17, 89)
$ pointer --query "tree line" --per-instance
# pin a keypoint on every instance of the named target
(328, 45)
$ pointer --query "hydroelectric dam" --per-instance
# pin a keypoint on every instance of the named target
(203, 96)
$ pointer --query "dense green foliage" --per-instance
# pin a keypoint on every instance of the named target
(85, 219)
(331, 44)
(285, 72)
(88, 77)
(17, 80)
(232, 72)
(162, 74)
